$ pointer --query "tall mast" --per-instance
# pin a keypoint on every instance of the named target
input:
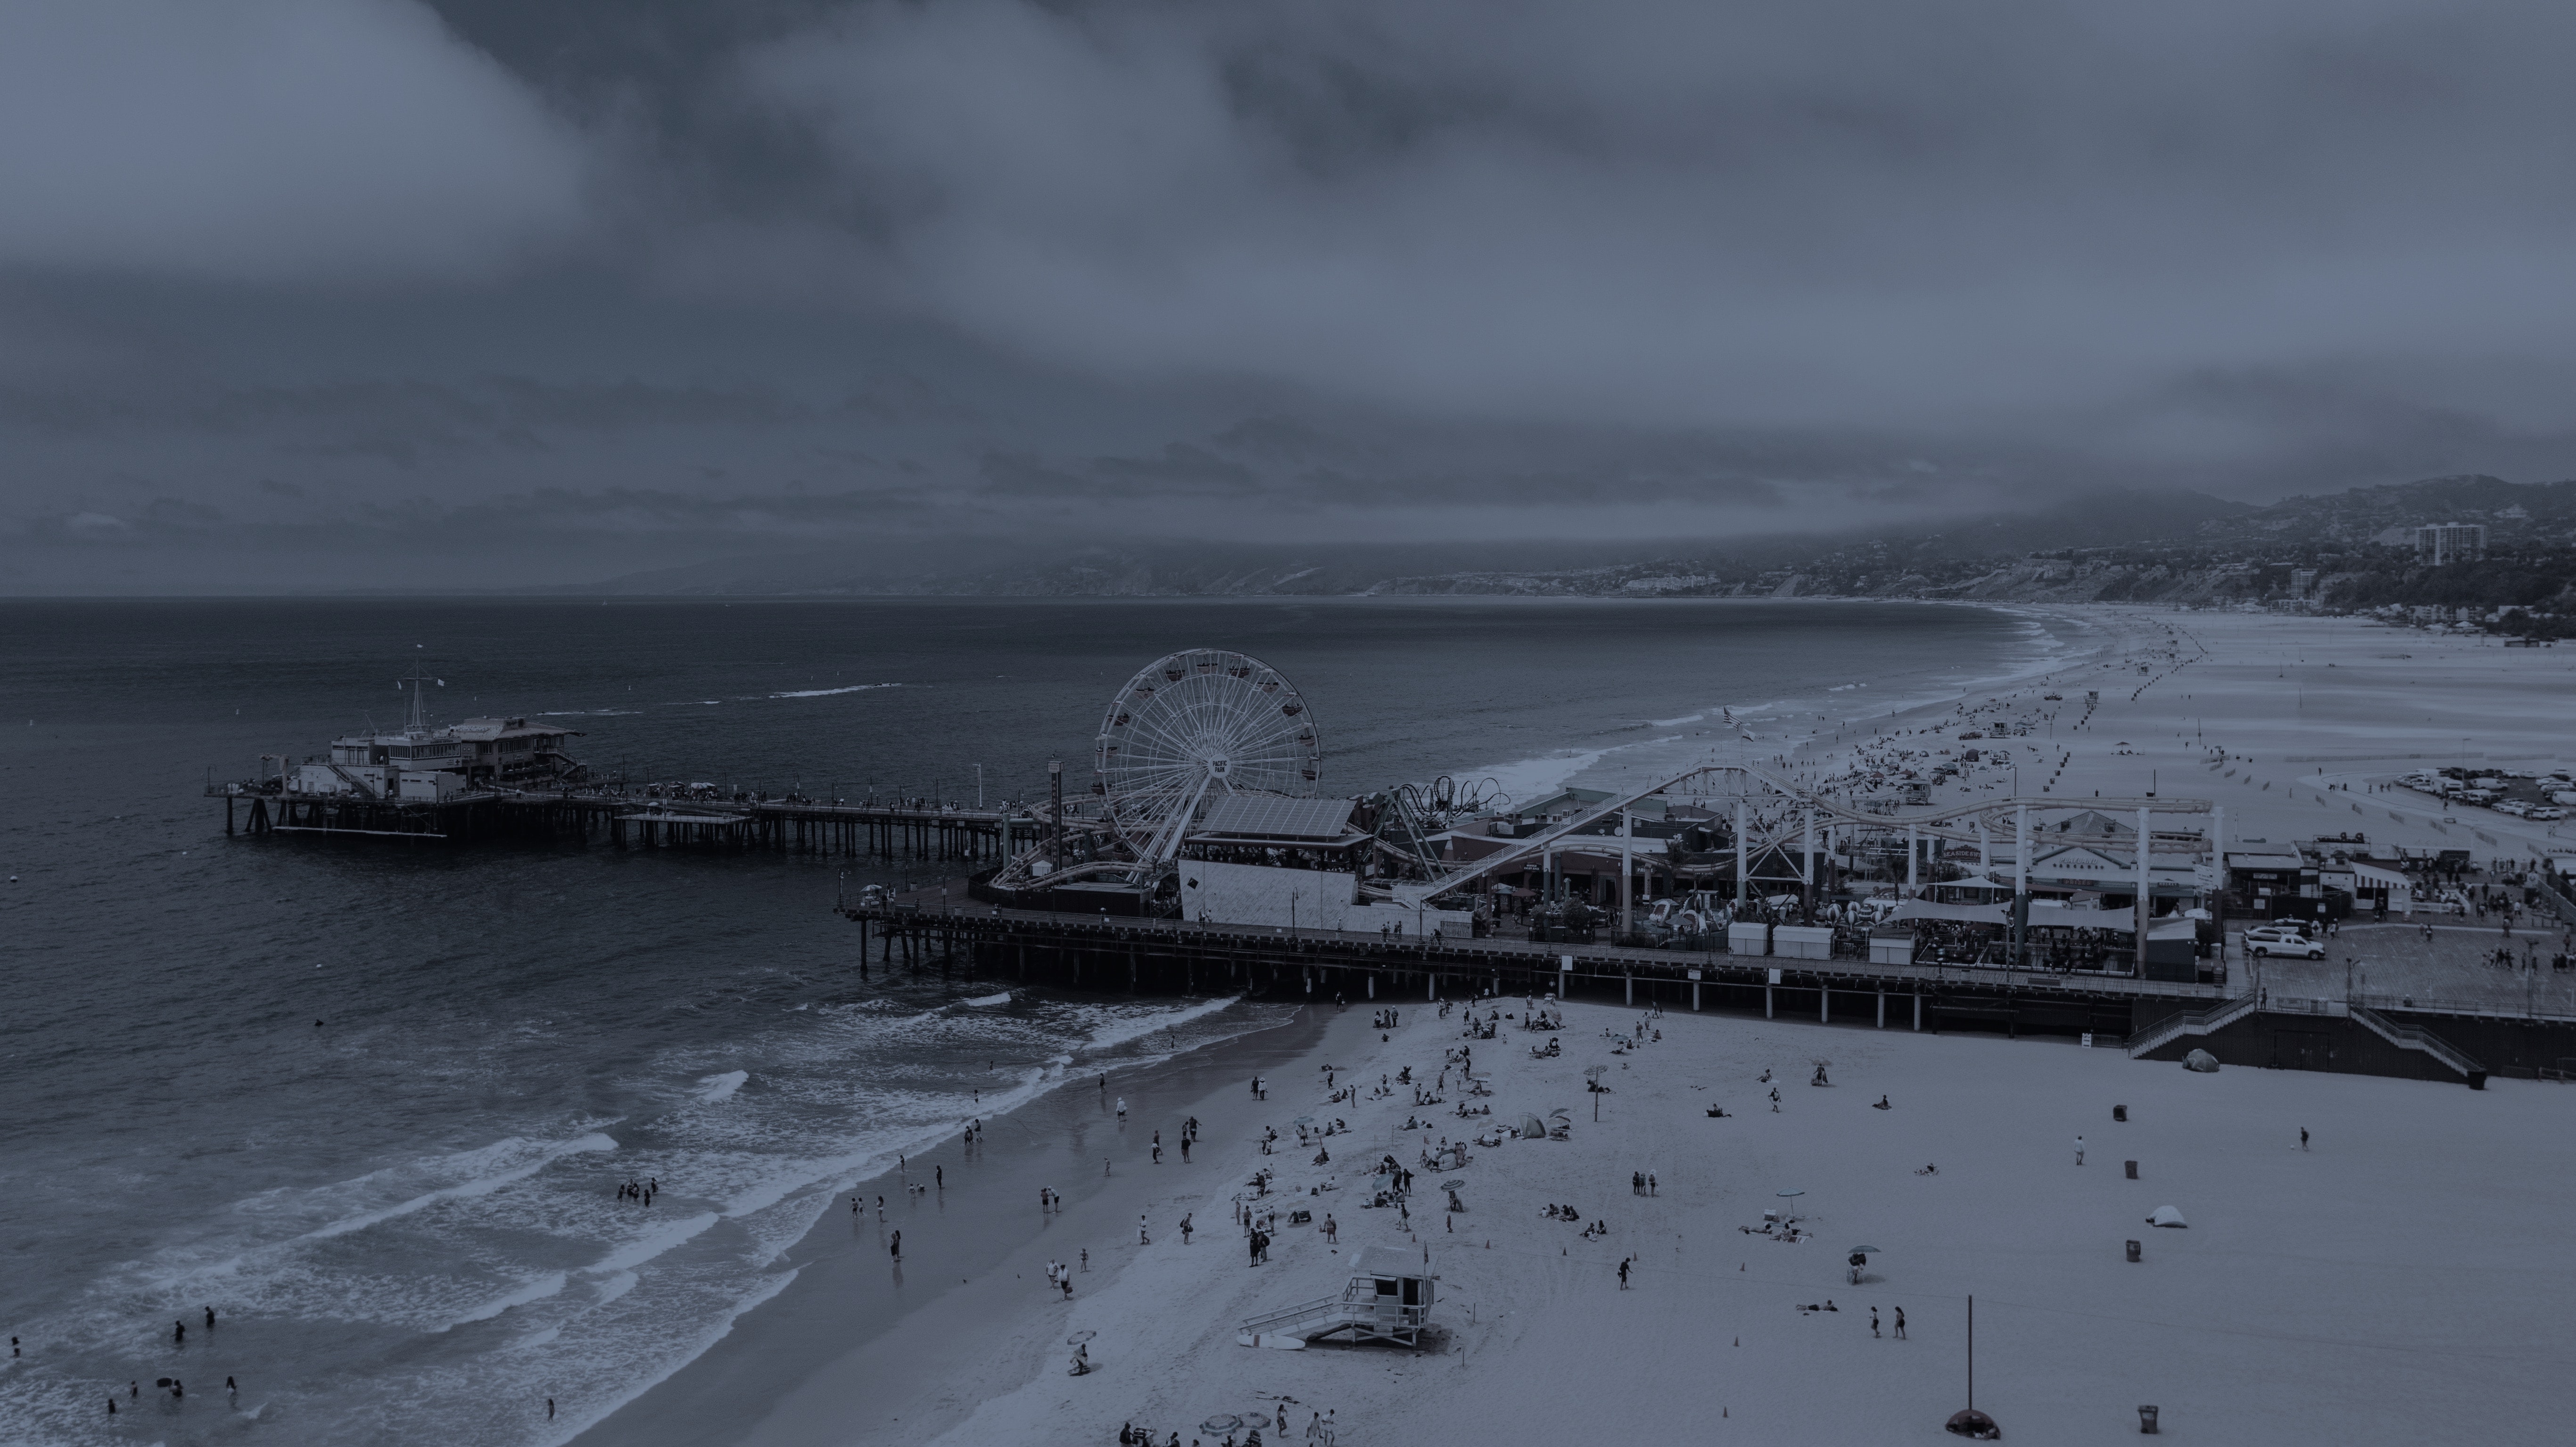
(418, 721)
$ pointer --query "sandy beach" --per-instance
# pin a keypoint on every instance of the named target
(2287, 721)
(2400, 1277)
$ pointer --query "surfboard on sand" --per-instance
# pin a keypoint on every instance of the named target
(1270, 1339)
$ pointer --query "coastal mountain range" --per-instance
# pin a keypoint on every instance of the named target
(2181, 547)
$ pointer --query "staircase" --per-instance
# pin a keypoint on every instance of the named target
(2415, 1037)
(2200, 1022)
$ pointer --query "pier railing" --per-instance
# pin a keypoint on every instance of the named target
(947, 907)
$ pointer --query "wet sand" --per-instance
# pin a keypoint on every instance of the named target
(857, 1340)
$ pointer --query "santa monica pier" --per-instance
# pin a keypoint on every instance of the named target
(1196, 854)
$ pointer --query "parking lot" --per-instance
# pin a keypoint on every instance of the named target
(2453, 966)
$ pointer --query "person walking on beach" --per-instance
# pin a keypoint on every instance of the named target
(1185, 1230)
(1900, 1323)
(895, 1249)
(1141, 1238)
(2079, 1150)
(1623, 1273)
(1873, 1322)
(2303, 1137)
(1185, 1150)
(1122, 1107)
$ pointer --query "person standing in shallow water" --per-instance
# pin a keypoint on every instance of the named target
(895, 1247)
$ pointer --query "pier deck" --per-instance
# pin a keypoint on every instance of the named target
(638, 820)
(946, 923)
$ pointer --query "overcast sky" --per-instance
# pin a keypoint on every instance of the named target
(327, 293)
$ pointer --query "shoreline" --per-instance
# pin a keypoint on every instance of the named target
(846, 1298)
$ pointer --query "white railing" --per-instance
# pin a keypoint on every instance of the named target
(1277, 1319)
(2200, 1022)
(2412, 1037)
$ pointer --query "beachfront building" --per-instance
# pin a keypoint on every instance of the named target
(2274, 882)
(426, 765)
(2083, 880)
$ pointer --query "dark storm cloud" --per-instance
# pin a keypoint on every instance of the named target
(1827, 213)
(1465, 270)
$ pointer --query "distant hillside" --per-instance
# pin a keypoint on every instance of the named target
(1188, 568)
(2351, 550)
(2514, 513)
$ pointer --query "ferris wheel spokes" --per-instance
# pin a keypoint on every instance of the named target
(1190, 726)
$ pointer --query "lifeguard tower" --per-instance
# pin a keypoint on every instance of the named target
(1388, 1299)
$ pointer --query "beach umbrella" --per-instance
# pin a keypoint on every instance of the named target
(1078, 1338)
(1453, 1183)
(1864, 1251)
(1225, 1423)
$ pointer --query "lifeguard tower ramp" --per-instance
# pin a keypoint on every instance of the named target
(1388, 1299)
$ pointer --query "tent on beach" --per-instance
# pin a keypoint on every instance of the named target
(2167, 1216)
(1532, 1128)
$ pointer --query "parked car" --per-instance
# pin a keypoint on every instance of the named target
(2546, 813)
(2281, 939)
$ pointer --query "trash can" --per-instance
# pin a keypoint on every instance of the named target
(2119, 1112)
(2146, 1414)
(2133, 1250)
(2133, 1169)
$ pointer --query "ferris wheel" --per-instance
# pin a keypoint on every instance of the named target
(1197, 725)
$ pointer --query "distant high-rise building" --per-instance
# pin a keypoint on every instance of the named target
(2440, 543)
(2303, 582)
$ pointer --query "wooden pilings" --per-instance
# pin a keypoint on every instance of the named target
(646, 822)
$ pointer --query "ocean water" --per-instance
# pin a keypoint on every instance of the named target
(405, 1214)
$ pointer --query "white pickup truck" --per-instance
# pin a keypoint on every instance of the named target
(2281, 939)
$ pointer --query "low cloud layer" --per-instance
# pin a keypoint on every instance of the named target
(348, 284)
